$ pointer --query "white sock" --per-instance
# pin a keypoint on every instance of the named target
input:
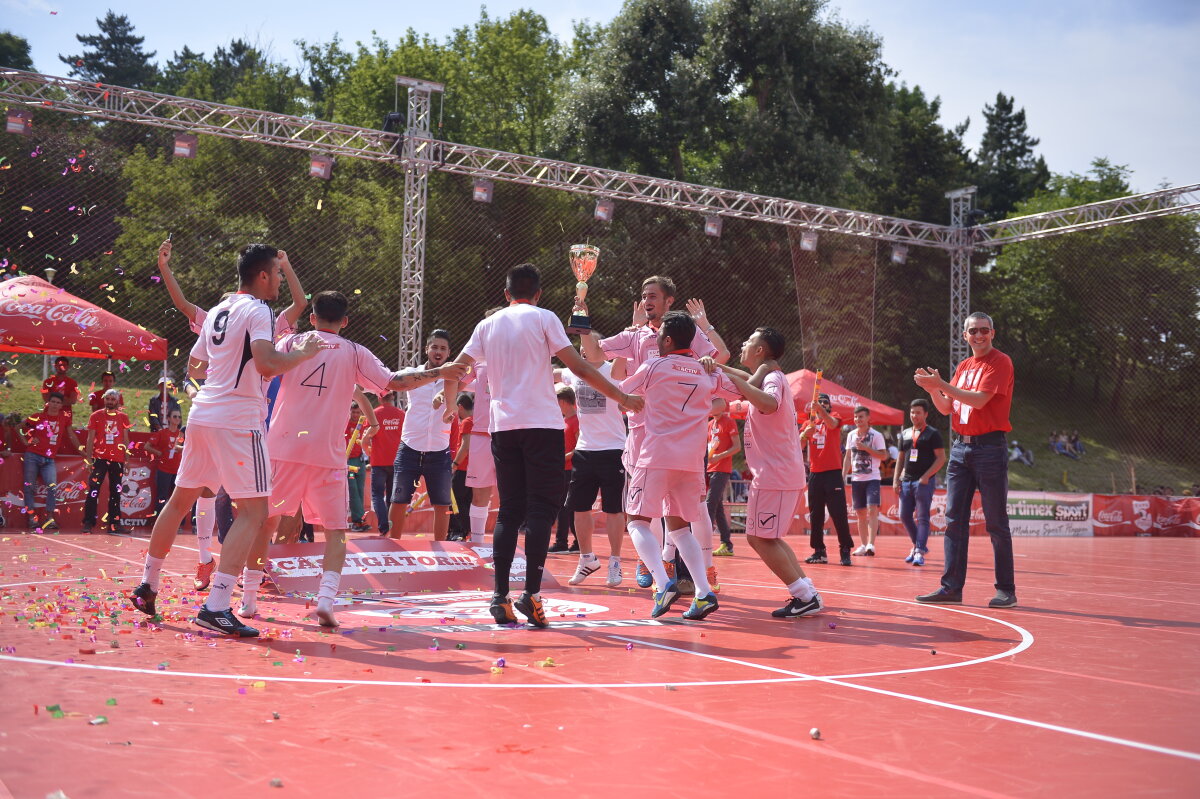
(702, 528)
(657, 526)
(668, 550)
(802, 589)
(220, 597)
(206, 521)
(329, 586)
(648, 550)
(251, 580)
(479, 517)
(151, 574)
(689, 548)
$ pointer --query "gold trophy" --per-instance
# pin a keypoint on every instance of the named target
(583, 263)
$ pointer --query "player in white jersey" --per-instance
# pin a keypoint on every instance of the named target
(205, 519)
(774, 455)
(225, 427)
(307, 441)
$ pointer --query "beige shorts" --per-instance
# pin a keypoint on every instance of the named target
(323, 491)
(657, 493)
(769, 513)
(235, 459)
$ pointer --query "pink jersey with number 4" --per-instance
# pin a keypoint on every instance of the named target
(772, 440)
(679, 396)
(313, 405)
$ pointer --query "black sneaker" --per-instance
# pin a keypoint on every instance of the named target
(1003, 599)
(224, 622)
(87, 528)
(798, 607)
(574, 546)
(817, 557)
(530, 606)
(50, 524)
(142, 598)
(502, 610)
(558, 547)
(941, 597)
(846, 558)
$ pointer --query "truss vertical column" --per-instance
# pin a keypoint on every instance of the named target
(416, 205)
(961, 202)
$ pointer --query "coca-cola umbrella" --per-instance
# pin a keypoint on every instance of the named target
(843, 400)
(37, 317)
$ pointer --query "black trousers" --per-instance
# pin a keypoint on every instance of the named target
(566, 516)
(530, 486)
(828, 490)
(461, 522)
(102, 468)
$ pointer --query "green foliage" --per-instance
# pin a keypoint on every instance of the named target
(114, 55)
(1006, 170)
(14, 51)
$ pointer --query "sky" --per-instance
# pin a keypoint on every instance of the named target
(1097, 78)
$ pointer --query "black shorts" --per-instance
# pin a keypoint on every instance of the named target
(596, 471)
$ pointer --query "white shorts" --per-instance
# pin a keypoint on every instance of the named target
(769, 512)
(657, 493)
(481, 466)
(633, 447)
(324, 492)
(217, 456)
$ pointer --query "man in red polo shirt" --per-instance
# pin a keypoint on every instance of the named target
(45, 432)
(826, 486)
(108, 443)
(166, 447)
(724, 442)
(382, 445)
(96, 398)
(61, 382)
(977, 401)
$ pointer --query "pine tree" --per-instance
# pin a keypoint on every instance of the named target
(14, 51)
(1006, 170)
(113, 56)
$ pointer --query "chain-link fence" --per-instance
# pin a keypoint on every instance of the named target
(1102, 324)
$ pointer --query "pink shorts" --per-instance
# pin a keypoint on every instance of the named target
(481, 468)
(769, 513)
(633, 447)
(217, 456)
(324, 493)
(656, 493)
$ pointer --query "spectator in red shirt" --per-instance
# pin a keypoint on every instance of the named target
(566, 517)
(61, 382)
(382, 446)
(107, 447)
(826, 486)
(166, 448)
(356, 428)
(460, 522)
(96, 398)
(723, 443)
(45, 432)
(12, 441)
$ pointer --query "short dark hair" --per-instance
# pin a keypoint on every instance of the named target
(566, 394)
(438, 333)
(921, 402)
(680, 327)
(62, 359)
(773, 339)
(107, 374)
(665, 283)
(330, 306)
(56, 395)
(255, 258)
(523, 282)
(863, 409)
(466, 400)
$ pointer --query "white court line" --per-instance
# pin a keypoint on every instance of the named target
(111, 555)
(947, 705)
(48, 582)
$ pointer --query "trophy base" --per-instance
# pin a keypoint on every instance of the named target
(579, 325)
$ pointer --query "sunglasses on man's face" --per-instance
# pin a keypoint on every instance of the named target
(978, 331)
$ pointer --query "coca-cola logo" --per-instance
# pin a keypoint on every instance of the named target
(1111, 516)
(52, 312)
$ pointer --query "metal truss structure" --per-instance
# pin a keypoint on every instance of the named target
(419, 153)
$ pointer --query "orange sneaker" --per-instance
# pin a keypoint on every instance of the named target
(711, 573)
(670, 567)
(204, 573)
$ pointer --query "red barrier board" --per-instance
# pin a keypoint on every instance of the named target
(1154, 516)
(137, 492)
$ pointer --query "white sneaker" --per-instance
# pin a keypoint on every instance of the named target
(587, 565)
(862, 550)
(614, 573)
(912, 554)
(870, 550)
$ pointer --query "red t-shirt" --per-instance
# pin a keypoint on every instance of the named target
(825, 447)
(456, 434)
(46, 433)
(108, 426)
(992, 373)
(64, 385)
(13, 440)
(721, 431)
(96, 400)
(386, 440)
(356, 450)
(171, 446)
(570, 438)
(465, 431)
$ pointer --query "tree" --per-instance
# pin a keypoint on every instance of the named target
(180, 70)
(14, 51)
(1006, 170)
(113, 56)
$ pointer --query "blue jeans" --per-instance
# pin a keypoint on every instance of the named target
(39, 466)
(381, 493)
(917, 499)
(411, 465)
(982, 467)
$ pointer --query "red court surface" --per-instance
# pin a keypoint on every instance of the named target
(1089, 688)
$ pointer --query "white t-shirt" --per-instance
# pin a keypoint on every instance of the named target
(518, 343)
(864, 466)
(424, 429)
(601, 422)
(313, 404)
(232, 396)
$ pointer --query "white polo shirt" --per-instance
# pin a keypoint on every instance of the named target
(424, 429)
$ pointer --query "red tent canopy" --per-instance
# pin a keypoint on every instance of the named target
(844, 400)
(36, 317)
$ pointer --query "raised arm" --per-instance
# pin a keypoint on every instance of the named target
(299, 303)
(168, 277)
(700, 317)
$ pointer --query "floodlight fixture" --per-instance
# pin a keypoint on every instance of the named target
(604, 209)
(899, 253)
(808, 240)
(185, 145)
(19, 122)
(321, 166)
(482, 190)
(712, 226)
